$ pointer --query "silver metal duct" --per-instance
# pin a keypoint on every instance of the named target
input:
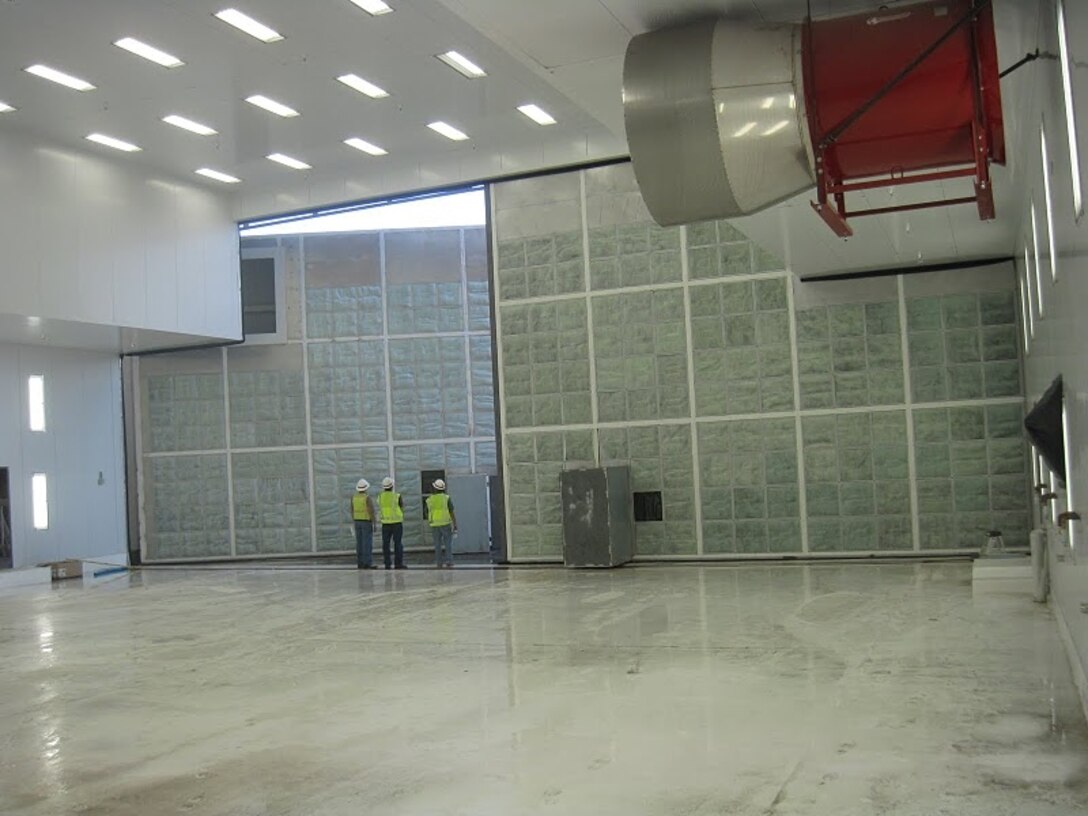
(714, 119)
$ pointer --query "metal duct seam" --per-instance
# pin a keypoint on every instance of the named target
(671, 123)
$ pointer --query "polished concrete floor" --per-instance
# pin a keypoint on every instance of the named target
(673, 691)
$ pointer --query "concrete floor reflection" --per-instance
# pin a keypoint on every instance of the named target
(855, 689)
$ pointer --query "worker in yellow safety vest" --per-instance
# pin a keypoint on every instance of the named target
(391, 507)
(443, 523)
(363, 518)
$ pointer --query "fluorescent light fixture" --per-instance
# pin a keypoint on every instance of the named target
(449, 131)
(109, 141)
(373, 7)
(189, 125)
(35, 392)
(254, 28)
(287, 161)
(149, 52)
(768, 103)
(365, 146)
(1038, 264)
(776, 127)
(271, 105)
(356, 82)
(39, 498)
(1024, 318)
(537, 114)
(1030, 299)
(462, 64)
(1052, 483)
(744, 130)
(1070, 113)
(61, 78)
(1049, 201)
(207, 172)
(5, 107)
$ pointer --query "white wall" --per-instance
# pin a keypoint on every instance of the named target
(1060, 342)
(83, 438)
(96, 240)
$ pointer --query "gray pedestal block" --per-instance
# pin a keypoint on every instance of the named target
(598, 517)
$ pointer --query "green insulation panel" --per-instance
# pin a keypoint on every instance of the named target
(186, 506)
(857, 482)
(749, 492)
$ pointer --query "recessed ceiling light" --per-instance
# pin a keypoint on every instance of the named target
(109, 141)
(288, 161)
(271, 105)
(6, 108)
(449, 131)
(61, 78)
(365, 146)
(207, 172)
(243, 22)
(537, 114)
(462, 64)
(373, 7)
(189, 125)
(361, 85)
(148, 52)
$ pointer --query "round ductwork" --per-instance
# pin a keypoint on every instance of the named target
(714, 122)
(725, 119)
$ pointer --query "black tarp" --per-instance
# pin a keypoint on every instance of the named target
(1044, 426)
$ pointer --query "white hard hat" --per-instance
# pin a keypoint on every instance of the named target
(362, 486)
(387, 482)
(439, 484)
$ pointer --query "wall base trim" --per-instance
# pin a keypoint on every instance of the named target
(1080, 680)
(32, 576)
(789, 558)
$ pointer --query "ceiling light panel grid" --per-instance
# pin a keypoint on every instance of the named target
(222, 67)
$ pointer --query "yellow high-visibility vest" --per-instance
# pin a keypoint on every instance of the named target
(438, 509)
(389, 504)
(359, 509)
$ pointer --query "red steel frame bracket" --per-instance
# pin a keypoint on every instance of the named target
(829, 188)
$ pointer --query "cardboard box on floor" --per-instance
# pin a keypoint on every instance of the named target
(63, 570)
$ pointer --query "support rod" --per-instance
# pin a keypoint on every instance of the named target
(832, 135)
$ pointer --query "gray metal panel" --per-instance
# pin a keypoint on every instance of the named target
(598, 518)
(621, 514)
(471, 504)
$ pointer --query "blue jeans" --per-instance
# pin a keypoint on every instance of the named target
(394, 533)
(443, 537)
(364, 544)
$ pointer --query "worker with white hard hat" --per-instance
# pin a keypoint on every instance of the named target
(443, 523)
(364, 519)
(391, 507)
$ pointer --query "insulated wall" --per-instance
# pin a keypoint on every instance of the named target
(383, 368)
(93, 240)
(79, 452)
(772, 416)
(1053, 276)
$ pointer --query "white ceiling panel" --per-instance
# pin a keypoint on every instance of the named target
(322, 40)
(553, 33)
(565, 55)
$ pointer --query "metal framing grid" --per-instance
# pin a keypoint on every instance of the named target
(693, 420)
(390, 445)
